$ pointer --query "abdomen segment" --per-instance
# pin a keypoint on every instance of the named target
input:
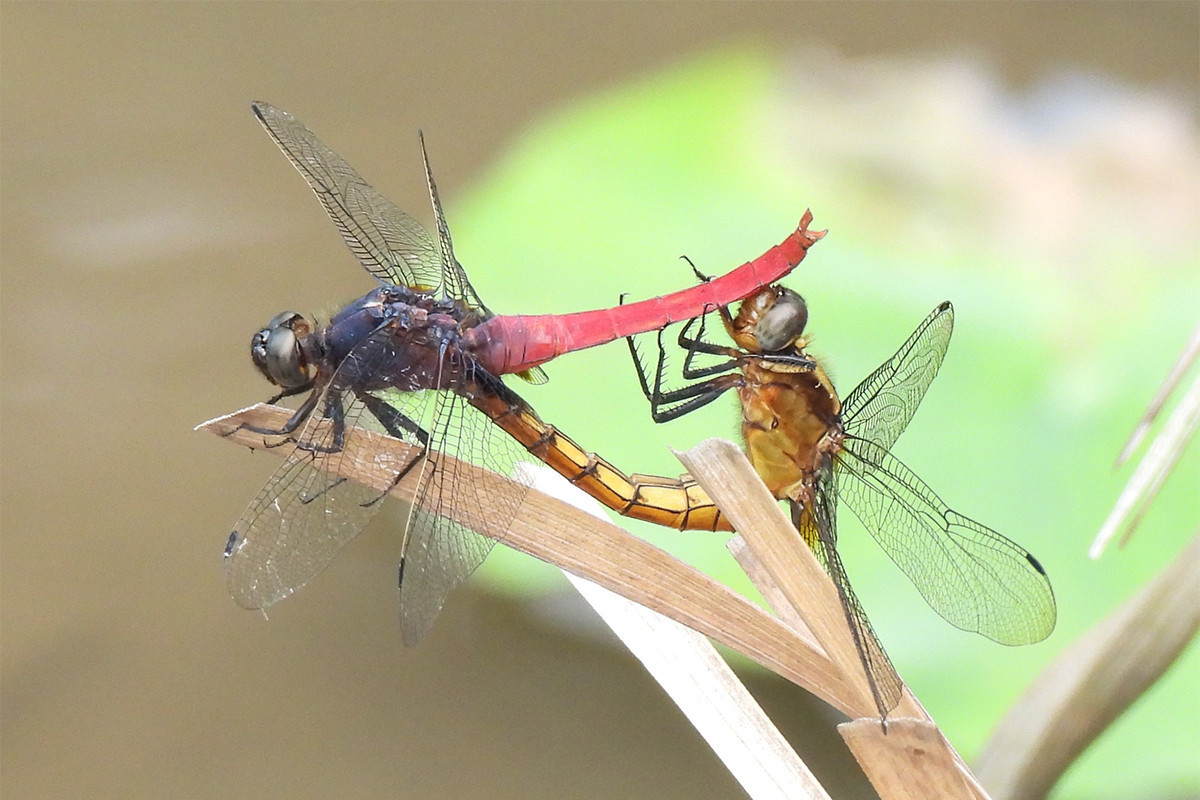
(672, 502)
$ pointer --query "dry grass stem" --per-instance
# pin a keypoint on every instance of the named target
(787, 563)
(1191, 351)
(912, 762)
(1092, 682)
(562, 535)
(775, 598)
(912, 756)
(694, 676)
(717, 704)
(1162, 455)
(911, 759)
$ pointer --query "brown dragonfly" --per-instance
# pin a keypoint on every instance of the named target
(812, 450)
(419, 358)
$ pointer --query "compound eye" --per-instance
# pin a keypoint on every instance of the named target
(783, 323)
(277, 351)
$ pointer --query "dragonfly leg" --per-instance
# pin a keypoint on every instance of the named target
(642, 370)
(294, 422)
(692, 344)
(668, 405)
(697, 344)
(396, 423)
(674, 404)
(336, 414)
(288, 393)
(337, 417)
(726, 319)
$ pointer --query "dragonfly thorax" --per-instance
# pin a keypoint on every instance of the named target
(791, 421)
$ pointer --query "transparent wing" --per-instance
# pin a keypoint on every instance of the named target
(818, 526)
(391, 245)
(880, 408)
(457, 517)
(306, 512)
(440, 555)
(454, 277)
(969, 574)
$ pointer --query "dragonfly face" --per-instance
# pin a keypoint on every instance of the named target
(770, 321)
(282, 351)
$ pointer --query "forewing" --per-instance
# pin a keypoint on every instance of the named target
(880, 408)
(391, 245)
(306, 512)
(972, 576)
(457, 517)
(818, 526)
(454, 281)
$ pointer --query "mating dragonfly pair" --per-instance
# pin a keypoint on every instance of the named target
(420, 357)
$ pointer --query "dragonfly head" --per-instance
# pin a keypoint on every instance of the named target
(771, 320)
(280, 353)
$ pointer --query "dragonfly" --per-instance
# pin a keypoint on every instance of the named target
(812, 450)
(419, 358)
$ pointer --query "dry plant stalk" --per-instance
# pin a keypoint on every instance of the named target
(1163, 453)
(1092, 682)
(1188, 357)
(695, 676)
(911, 759)
(605, 554)
(706, 690)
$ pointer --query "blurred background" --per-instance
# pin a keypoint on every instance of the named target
(1039, 165)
